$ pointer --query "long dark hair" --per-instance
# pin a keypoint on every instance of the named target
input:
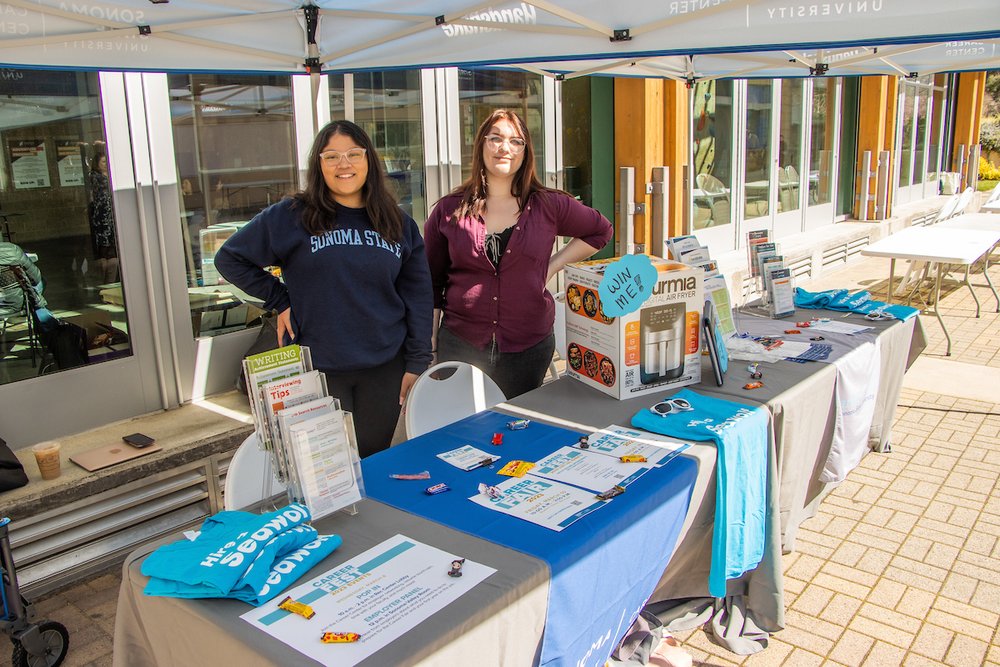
(319, 212)
(525, 181)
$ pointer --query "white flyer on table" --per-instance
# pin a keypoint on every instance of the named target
(620, 441)
(589, 470)
(839, 327)
(380, 594)
(549, 504)
(467, 457)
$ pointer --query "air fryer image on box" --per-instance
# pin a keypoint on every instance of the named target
(661, 350)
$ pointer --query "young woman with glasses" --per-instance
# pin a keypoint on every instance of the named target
(489, 245)
(356, 287)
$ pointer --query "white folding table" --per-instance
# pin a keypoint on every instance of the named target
(942, 245)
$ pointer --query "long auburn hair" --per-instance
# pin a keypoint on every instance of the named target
(525, 181)
(319, 211)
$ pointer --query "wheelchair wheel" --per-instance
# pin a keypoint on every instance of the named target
(56, 640)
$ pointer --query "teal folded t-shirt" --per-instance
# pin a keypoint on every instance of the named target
(740, 434)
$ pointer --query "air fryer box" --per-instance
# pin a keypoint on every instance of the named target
(651, 349)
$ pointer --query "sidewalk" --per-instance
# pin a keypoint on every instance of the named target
(900, 565)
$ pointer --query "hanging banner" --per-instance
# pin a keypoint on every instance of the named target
(29, 166)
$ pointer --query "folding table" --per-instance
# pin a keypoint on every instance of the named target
(942, 245)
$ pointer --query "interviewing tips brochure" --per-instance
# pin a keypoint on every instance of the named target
(380, 595)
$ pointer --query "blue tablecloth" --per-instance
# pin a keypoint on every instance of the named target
(603, 567)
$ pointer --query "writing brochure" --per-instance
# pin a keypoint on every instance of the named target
(589, 470)
(543, 502)
(619, 441)
(380, 595)
(468, 458)
(269, 366)
(324, 463)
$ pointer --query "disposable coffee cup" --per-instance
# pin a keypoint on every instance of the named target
(47, 458)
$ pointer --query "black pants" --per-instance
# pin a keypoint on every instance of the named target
(514, 372)
(372, 396)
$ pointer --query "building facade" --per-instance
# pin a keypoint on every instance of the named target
(124, 185)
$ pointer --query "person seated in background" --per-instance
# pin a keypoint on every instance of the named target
(11, 294)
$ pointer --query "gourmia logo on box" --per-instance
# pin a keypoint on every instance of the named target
(523, 14)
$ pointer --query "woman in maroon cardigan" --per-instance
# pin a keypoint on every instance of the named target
(489, 244)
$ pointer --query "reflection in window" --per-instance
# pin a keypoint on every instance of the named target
(58, 232)
(790, 144)
(234, 143)
(712, 149)
(757, 173)
(387, 106)
(821, 141)
(919, 138)
(480, 93)
(850, 101)
(906, 135)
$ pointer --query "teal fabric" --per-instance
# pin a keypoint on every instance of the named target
(842, 300)
(240, 555)
(740, 435)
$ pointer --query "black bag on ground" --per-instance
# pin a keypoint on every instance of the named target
(267, 339)
(67, 343)
(12, 475)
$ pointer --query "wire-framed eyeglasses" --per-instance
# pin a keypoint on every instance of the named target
(515, 144)
(670, 406)
(334, 158)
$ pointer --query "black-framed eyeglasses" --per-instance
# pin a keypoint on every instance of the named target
(670, 406)
(515, 144)
(334, 158)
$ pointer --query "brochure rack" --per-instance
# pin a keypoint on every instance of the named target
(311, 440)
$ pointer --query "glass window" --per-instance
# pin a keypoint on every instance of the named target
(57, 226)
(712, 150)
(234, 144)
(482, 92)
(850, 101)
(577, 143)
(757, 169)
(790, 144)
(821, 141)
(387, 106)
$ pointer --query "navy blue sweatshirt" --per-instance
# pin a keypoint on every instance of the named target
(356, 299)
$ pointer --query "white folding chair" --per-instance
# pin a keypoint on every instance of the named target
(439, 398)
(250, 478)
(963, 202)
(994, 195)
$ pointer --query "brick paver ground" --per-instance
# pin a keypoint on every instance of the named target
(899, 567)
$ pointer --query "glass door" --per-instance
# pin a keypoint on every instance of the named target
(73, 222)
(819, 179)
(790, 177)
(758, 164)
(713, 133)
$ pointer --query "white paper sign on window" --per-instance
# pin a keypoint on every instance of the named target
(29, 165)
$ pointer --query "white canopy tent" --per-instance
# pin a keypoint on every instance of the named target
(684, 39)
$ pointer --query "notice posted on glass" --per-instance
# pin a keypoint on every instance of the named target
(380, 595)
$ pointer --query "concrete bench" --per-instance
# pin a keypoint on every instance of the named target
(82, 522)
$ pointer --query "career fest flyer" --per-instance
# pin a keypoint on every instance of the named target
(380, 594)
